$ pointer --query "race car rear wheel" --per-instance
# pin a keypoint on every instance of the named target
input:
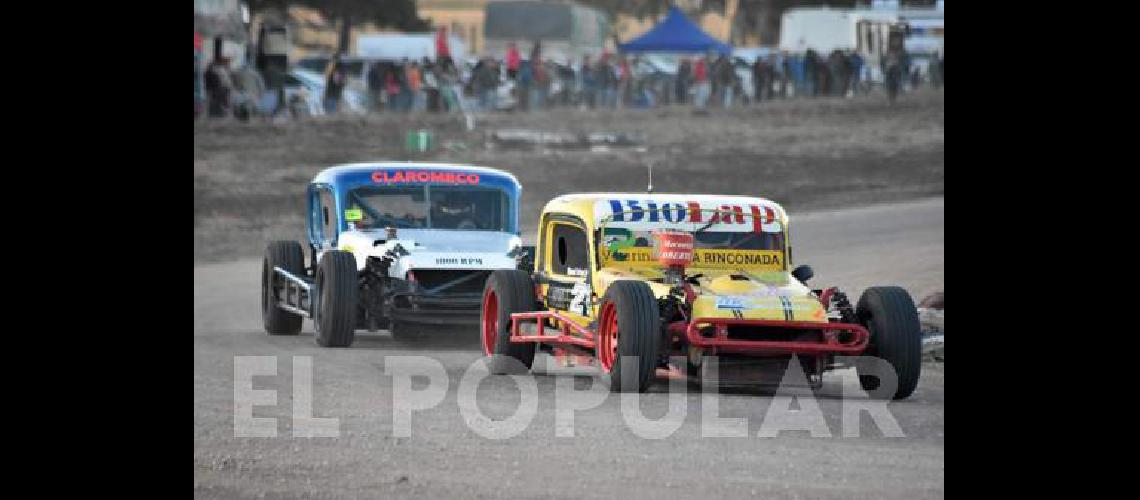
(628, 330)
(896, 337)
(288, 256)
(506, 292)
(334, 313)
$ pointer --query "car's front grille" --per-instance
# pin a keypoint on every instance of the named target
(432, 278)
(748, 332)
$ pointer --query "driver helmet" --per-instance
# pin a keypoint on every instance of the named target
(454, 205)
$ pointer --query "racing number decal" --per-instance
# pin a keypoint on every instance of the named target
(569, 296)
(580, 298)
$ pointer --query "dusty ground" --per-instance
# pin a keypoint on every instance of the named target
(249, 179)
(894, 243)
(863, 184)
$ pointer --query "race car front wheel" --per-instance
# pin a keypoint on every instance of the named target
(288, 256)
(506, 292)
(334, 313)
(896, 337)
(628, 330)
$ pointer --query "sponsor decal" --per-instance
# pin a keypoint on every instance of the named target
(769, 260)
(724, 216)
(729, 302)
(458, 261)
(418, 176)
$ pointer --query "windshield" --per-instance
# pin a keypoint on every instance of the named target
(430, 207)
(725, 240)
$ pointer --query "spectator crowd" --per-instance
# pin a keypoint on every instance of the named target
(536, 82)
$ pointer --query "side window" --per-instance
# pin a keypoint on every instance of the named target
(569, 252)
(327, 216)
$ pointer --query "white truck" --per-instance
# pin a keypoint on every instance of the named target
(567, 30)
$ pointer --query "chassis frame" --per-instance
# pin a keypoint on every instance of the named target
(572, 335)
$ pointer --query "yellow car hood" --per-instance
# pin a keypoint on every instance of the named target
(734, 294)
(772, 296)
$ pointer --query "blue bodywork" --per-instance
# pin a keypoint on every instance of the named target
(339, 180)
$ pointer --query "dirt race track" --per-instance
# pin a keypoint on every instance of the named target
(862, 182)
(249, 179)
(443, 458)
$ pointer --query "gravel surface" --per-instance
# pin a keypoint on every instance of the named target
(443, 458)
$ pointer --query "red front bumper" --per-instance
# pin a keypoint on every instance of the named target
(831, 342)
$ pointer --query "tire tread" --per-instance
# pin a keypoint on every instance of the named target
(289, 256)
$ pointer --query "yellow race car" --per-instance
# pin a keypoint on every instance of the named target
(633, 280)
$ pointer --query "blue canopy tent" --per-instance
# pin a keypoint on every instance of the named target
(676, 33)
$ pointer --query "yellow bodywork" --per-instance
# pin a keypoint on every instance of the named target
(728, 288)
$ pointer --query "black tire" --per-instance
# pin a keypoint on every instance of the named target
(514, 293)
(288, 256)
(337, 287)
(896, 336)
(639, 331)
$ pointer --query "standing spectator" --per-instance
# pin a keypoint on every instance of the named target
(856, 62)
(536, 52)
(487, 84)
(335, 80)
(219, 83)
(513, 60)
(781, 72)
(625, 81)
(198, 90)
(726, 79)
(759, 79)
(892, 67)
(701, 83)
(586, 74)
(568, 77)
(935, 69)
(684, 76)
(524, 82)
(404, 98)
(529, 97)
(811, 76)
(442, 49)
(415, 86)
(837, 66)
(942, 68)
(542, 81)
(431, 85)
(607, 81)
(798, 71)
(248, 87)
(392, 88)
(449, 87)
(375, 81)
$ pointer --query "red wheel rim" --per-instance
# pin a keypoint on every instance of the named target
(608, 337)
(490, 322)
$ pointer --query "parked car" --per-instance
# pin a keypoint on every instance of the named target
(308, 87)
